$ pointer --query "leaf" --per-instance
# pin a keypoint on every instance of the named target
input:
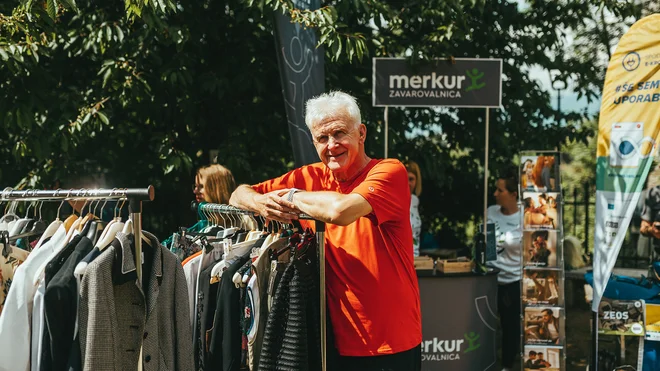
(108, 33)
(51, 6)
(86, 118)
(106, 76)
(103, 117)
(71, 4)
(338, 53)
(350, 50)
(120, 34)
(3, 54)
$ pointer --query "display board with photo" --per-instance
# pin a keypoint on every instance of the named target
(539, 173)
(540, 249)
(621, 317)
(540, 210)
(543, 325)
(542, 263)
(542, 358)
(541, 287)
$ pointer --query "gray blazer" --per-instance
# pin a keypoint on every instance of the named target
(112, 318)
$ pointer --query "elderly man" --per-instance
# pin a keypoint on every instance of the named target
(371, 284)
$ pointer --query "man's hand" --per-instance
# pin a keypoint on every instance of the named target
(275, 206)
(650, 230)
(655, 230)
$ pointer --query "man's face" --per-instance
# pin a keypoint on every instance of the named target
(338, 143)
(546, 317)
(539, 356)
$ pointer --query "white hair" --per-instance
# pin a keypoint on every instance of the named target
(335, 105)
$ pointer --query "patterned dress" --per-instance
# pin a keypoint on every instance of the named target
(8, 266)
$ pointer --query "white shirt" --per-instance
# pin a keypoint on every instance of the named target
(16, 318)
(190, 271)
(508, 234)
(415, 223)
(38, 322)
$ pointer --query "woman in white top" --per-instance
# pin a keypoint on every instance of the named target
(508, 232)
(415, 183)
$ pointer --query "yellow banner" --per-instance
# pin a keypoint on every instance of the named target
(628, 130)
(631, 94)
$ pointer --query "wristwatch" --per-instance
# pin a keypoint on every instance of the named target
(291, 192)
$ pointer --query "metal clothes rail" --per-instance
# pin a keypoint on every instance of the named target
(134, 196)
(204, 207)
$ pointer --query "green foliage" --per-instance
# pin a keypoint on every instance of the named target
(140, 92)
(578, 175)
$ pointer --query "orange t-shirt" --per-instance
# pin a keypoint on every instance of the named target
(371, 284)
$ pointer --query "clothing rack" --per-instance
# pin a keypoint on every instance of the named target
(135, 196)
(204, 207)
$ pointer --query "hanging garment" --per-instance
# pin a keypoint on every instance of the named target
(225, 345)
(61, 306)
(8, 266)
(116, 315)
(292, 337)
(17, 313)
(258, 300)
(51, 269)
(205, 310)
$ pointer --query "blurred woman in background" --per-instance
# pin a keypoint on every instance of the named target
(214, 183)
(415, 183)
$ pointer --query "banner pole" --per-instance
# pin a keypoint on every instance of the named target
(386, 129)
(485, 228)
(594, 341)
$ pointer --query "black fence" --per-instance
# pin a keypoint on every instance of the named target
(579, 221)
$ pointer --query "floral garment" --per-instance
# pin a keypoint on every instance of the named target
(8, 266)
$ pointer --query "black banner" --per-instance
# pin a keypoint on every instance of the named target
(303, 77)
(463, 82)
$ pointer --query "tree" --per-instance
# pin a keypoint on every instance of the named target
(144, 94)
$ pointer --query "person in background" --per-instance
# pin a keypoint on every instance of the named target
(415, 183)
(214, 184)
(371, 285)
(508, 232)
(548, 326)
(529, 363)
(540, 362)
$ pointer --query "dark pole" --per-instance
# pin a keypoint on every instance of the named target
(559, 101)
(594, 341)
(586, 216)
(575, 204)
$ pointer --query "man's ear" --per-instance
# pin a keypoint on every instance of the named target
(363, 132)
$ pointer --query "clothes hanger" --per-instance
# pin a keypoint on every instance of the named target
(36, 229)
(52, 227)
(111, 230)
(96, 225)
(11, 217)
(88, 217)
(114, 220)
(76, 223)
(18, 226)
(68, 222)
